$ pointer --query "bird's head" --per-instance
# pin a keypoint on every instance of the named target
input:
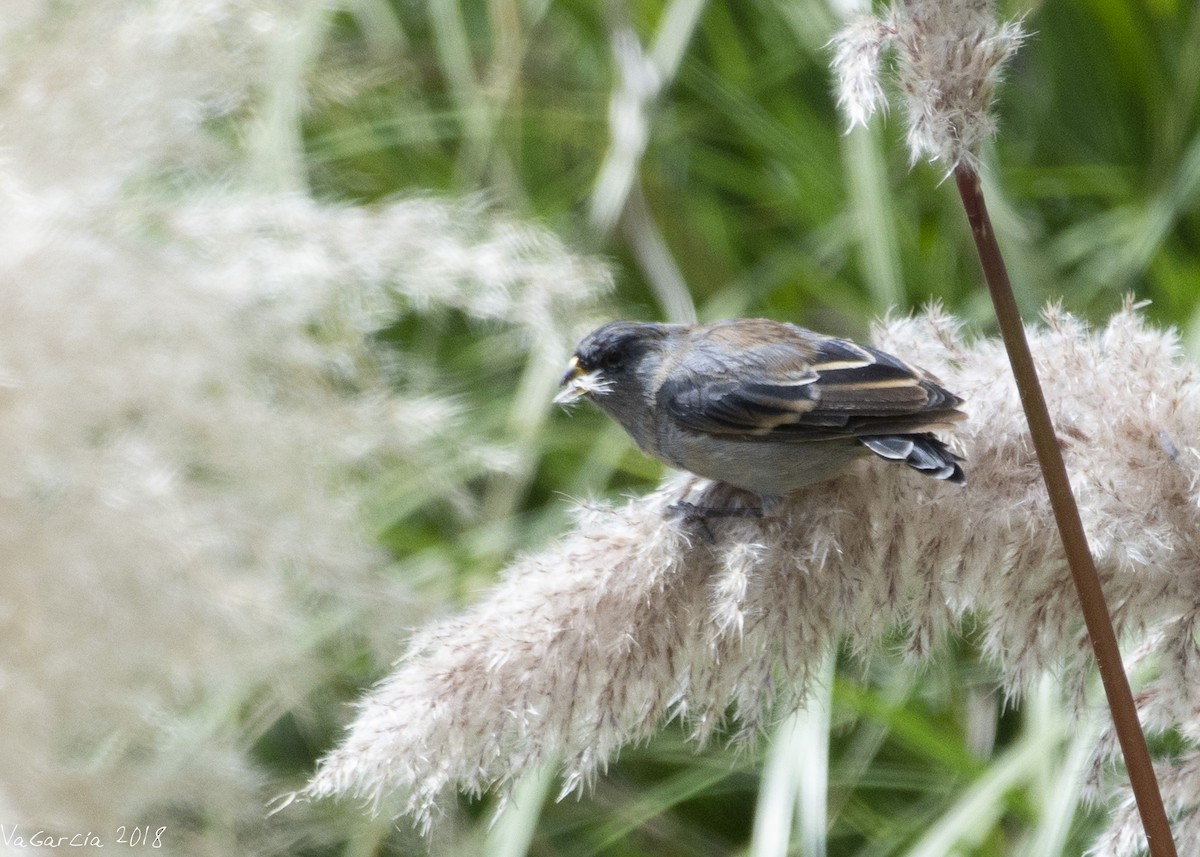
(608, 360)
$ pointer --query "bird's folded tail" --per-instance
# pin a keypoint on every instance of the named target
(923, 452)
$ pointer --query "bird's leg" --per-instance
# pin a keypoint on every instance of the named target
(721, 500)
(694, 511)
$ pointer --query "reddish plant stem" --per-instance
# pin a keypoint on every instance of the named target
(1066, 514)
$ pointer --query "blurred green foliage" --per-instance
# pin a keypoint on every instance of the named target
(766, 206)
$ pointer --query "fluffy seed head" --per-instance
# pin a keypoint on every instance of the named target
(634, 618)
(949, 58)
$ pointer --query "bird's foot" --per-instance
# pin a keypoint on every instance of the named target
(719, 500)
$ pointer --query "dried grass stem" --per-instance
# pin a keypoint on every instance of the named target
(1066, 515)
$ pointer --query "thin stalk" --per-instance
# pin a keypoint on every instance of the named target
(1070, 527)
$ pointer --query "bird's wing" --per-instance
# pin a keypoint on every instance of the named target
(801, 388)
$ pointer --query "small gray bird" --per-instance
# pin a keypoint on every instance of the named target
(761, 405)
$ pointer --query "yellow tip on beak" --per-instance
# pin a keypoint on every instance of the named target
(574, 370)
(573, 386)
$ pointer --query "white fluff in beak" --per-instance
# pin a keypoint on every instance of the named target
(576, 383)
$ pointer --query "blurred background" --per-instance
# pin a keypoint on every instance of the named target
(287, 289)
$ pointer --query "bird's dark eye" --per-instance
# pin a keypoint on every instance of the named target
(610, 359)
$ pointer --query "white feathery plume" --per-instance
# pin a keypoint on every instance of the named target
(195, 416)
(634, 617)
(949, 58)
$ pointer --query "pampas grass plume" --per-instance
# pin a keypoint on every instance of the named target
(634, 618)
(949, 58)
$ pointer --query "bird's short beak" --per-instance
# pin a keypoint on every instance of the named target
(574, 370)
(573, 387)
